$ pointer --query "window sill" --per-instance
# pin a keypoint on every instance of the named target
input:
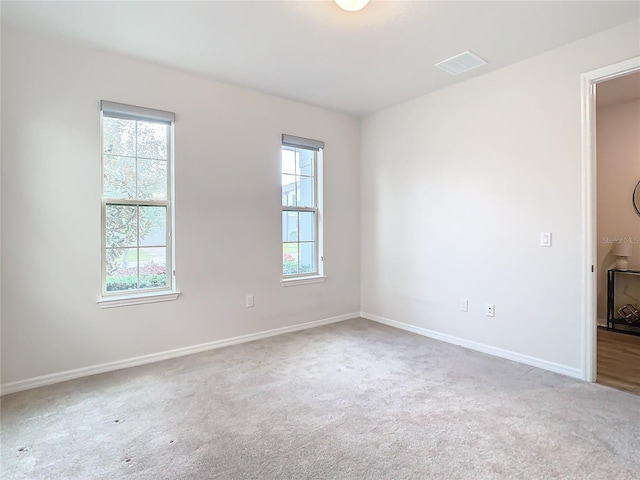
(291, 282)
(137, 299)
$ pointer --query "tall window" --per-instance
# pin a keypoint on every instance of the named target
(137, 161)
(301, 203)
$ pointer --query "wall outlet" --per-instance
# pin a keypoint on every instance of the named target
(490, 310)
(249, 301)
(464, 305)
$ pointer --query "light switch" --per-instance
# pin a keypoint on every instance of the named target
(545, 239)
(464, 305)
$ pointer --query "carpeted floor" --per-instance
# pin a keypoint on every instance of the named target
(353, 400)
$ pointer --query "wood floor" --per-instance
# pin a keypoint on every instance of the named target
(619, 360)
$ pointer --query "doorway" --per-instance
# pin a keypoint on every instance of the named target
(618, 232)
(611, 97)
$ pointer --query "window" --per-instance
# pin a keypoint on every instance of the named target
(137, 172)
(301, 207)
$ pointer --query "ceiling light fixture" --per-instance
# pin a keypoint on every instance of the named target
(352, 5)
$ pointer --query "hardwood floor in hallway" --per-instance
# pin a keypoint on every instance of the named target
(619, 360)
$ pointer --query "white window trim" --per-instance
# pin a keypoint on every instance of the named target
(292, 282)
(317, 276)
(120, 299)
(138, 299)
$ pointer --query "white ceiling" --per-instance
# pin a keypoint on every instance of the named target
(354, 62)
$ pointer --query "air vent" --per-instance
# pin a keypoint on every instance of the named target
(461, 63)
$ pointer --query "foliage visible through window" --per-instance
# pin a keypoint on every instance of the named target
(299, 212)
(136, 208)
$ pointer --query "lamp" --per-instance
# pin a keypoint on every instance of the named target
(622, 252)
(352, 5)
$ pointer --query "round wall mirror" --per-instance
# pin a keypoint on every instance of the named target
(636, 198)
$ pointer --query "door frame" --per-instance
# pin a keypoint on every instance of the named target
(588, 81)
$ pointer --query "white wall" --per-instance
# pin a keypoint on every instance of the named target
(618, 172)
(456, 188)
(0, 200)
(227, 180)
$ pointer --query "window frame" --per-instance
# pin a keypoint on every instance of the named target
(146, 295)
(292, 143)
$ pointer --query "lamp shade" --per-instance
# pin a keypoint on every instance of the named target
(352, 5)
(622, 249)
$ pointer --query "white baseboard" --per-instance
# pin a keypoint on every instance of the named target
(13, 387)
(480, 347)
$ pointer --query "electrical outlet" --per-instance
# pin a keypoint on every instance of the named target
(249, 301)
(490, 310)
(464, 305)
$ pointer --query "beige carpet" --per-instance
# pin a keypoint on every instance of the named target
(354, 400)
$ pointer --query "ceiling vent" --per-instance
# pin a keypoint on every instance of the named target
(461, 63)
